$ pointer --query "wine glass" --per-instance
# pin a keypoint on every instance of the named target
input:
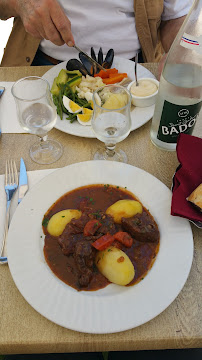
(111, 120)
(37, 115)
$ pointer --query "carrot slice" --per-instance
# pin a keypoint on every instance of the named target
(114, 79)
(103, 242)
(91, 227)
(124, 238)
(112, 75)
(104, 74)
(112, 71)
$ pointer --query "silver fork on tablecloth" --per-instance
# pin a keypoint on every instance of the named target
(11, 185)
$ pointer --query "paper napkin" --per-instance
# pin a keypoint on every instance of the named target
(33, 178)
(187, 177)
(8, 116)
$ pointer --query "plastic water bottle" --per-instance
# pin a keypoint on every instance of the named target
(180, 92)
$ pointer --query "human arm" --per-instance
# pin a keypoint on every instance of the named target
(169, 30)
(43, 19)
(173, 16)
(7, 9)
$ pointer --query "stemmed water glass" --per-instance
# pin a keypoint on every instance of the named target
(37, 115)
(111, 120)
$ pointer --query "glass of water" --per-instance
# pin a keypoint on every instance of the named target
(111, 120)
(37, 115)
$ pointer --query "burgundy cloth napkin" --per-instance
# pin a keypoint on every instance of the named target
(187, 177)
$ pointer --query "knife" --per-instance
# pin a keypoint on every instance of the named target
(92, 60)
(23, 182)
(2, 88)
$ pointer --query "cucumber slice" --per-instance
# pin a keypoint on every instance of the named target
(62, 77)
(55, 89)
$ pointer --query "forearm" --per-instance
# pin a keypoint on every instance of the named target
(7, 9)
(42, 19)
(169, 30)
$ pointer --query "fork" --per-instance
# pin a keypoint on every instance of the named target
(11, 184)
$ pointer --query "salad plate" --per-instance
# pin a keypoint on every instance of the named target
(139, 116)
(114, 308)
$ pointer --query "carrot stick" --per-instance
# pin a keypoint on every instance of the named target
(106, 73)
(112, 75)
(114, 79)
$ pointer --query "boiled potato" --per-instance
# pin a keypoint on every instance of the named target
(58, 221)
(124, 208)
(115, 265)
(115, 101)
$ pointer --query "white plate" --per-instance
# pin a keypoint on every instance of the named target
(113, 308)
(139, 116)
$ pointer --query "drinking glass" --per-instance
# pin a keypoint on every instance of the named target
(37, 115)
(111, 120)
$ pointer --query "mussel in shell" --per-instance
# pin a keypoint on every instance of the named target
(74, 64)
(86, 67)
(107, 63)
(100, 57)
(92, 54)
(90, 66)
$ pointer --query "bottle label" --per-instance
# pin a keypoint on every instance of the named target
(176, 119)
(192, 42)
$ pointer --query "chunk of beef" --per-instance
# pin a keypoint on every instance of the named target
(68, 242)
(83, 256)
(72, 233)
(77, 225)
(141, 227)
(93, 237)
(108, 226)
(84, 279)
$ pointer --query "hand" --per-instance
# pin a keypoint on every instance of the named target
(45, 19)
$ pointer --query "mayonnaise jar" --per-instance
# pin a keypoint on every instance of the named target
(145, 93)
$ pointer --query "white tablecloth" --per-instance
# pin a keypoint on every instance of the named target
(8, 115)
(33, 178)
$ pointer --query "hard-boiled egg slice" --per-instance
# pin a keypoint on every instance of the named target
(91, 103)
(88, 96)
(97, 99)
(87, 111)
(70, 105)
(85, 118)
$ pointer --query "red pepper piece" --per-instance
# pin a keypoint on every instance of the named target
(117, 244)
(124, 238)
(91, 227)
(103, 242)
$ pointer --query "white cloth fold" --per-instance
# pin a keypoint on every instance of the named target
(33, 178)
(8, 115)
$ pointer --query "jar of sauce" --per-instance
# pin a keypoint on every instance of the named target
(145, 88)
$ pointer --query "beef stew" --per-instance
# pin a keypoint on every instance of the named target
(71, 255)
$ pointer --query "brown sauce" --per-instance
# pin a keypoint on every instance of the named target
(97, 197)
